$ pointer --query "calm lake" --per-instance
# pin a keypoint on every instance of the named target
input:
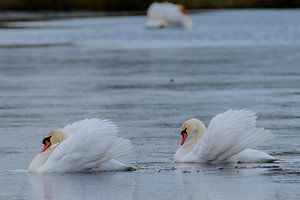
(148, 82)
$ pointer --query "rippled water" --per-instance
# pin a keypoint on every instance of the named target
(148, 82)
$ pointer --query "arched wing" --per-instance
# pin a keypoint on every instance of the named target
(228, 134)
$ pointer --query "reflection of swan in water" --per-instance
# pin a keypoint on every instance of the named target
(78, 186)
(227, 184)
(87, 145)
(229, 137)
(166, 14)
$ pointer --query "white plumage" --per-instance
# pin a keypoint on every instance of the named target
(229, 137)
(167, 14)
(90, 145)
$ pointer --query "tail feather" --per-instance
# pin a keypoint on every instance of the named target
(119, 148)
(249, 140)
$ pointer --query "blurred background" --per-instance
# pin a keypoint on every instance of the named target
(62, 61)
(125, 5)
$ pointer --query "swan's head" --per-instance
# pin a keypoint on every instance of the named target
(182, 9)
(190, 126)
(53, 138)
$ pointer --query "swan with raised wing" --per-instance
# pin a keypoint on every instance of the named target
(87, 145)
(228, 138)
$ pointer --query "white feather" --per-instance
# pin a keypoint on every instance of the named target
(166, 14)
(227, 135)
(90, 143)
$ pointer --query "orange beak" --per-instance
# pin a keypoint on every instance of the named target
(46, 146)
(184, 136)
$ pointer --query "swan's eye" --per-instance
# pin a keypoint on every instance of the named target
(46, 139)
(184, 131)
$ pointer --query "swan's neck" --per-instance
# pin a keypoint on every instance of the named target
(39, 160)
(48, 153)
(183, 150)
(199, 132)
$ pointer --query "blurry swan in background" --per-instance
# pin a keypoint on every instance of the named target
(167, 14)
(227, 139)
(87, 145)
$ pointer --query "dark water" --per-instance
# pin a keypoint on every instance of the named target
(148, 82)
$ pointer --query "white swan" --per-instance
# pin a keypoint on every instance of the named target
(227, 139)
(167, 14)
(87, 145)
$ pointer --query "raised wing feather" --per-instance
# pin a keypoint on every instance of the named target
(90, 142)
(228, 134)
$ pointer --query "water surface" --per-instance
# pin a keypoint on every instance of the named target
(148, 82)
